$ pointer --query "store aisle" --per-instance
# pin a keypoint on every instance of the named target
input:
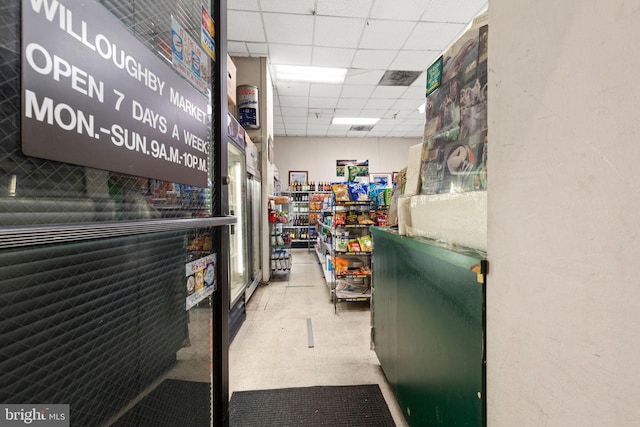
(272, 350)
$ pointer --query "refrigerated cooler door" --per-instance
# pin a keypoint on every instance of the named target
(254, 205)
(238, 260)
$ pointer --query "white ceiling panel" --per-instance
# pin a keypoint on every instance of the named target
(348, 8)
(293, 112)
(373, 59)
(304, 7)
(389, 92)
(293, 89)
(295, 29)
(294, 101)
(244, 26)
(363, 76)
(368, 37)
(380, 34)
(332, 57)
(405, 10)
(352, 103)
(258, 49)
(357, 91)
(288, 54)
(317, 102)
(325, 90)
(461, 11)
(237, 49)
(243, 5)
(414, 60)
(338, 32)
(433, 36)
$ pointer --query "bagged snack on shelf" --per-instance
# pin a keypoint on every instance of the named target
(376, 191)
(359, 191)
(340, 218)
(354, 245)
(341, 192)
(352, 218)
(381, 218)
(364, 219)
(366, 244)
(342, 244)
(341, 266)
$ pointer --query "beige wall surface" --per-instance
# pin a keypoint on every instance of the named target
(318, 155)
(563, 292)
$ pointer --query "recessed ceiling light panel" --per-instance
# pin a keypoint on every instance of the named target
(299, 73)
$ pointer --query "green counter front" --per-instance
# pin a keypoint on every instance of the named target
(428, 317)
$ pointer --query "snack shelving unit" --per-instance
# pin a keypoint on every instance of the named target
(280, 238)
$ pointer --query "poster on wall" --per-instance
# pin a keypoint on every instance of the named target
(200, 279)
(188, 58)
(353, 170)
(454, 152)
(93, 95)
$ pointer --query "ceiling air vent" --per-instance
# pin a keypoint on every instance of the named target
(399, 78)
(361, 128)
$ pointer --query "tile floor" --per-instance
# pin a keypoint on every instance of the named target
(271, 349)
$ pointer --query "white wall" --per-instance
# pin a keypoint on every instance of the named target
(318, 155)
(563, 309)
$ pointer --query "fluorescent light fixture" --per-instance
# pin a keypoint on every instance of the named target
(299, 73)
(353, 121)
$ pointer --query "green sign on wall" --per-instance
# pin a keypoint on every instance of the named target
(434, 76)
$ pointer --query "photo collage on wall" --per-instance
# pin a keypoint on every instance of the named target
(454, 152)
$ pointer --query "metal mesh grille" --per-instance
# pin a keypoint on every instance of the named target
(35, 191)
(94, 324)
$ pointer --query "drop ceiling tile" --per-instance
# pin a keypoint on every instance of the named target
(283, 28)
(414, 60)
(294, 101)
(389, 92)
(404, 10)
(357, 91)
(243, 5)
(406, 104)
(338, 32)
(363, 77)
(347, 112)
(293, 112)
(325, 90)
(237, 49)
(292, 89)
(258, 49)
(350, 8)
(324, 127)
(318, 102)
(416, 92)
(352, 103)
(296, 120)
(379, 104)
(433, 36)
(288, 54)
(373, 59)
(316, 132)
(288, 6)
(368, 112)
(244, 26)
(461, 11)
(332, 57)
(380, 34)
(296, 126)
(337, 132)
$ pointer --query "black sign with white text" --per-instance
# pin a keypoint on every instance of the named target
(93, 95)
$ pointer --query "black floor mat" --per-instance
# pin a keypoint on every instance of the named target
(353, 406)
(173, 403)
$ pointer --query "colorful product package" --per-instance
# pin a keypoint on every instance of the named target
(354, 245)
(341, 192)
(340, 218)
(359, 191)
(366, 244)
(341, 266)
(352, 218)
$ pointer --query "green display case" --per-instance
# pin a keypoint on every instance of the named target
(428, 328)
